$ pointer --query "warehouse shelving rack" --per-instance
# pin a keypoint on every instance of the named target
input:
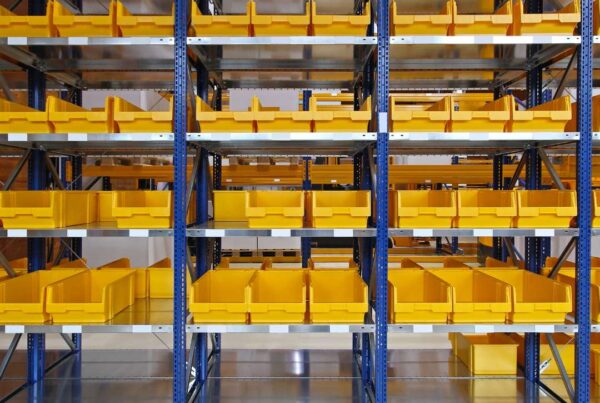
(372, 61)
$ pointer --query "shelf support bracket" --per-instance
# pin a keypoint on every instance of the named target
(6, 266)
(511, 251)
(561, 367)
(563, 80)
(13, 175)
(551, 169)
(563, 257)
(68, 341)
(517, 174)
(53, 172)
(9, 353)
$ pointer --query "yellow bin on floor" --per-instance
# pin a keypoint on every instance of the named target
(91, 296)
(422, 208)
(485, 208)
(487, 354)
(17, 118)
(351, 25)
(278, 296)
(535, 298)
(421, 24)
(346, 302)
(546, 208)
(23, 298)
(339, 208)
(417, 296)
(275, 209)
(477, 297)
(221, 296)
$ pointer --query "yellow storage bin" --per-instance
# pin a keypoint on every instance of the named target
(351, 25)
(486, 208)
(551, 116)
(23, 298)
(332, 263)
(229, 205)
(546, 208)
(421, 24)
(567, 276)
(30, 26)
(140, 275)
(408, 117)
(487, 354)
(496, 22)
(491, 117)
(278, 296)
(345, 302)
(535, 298)
(403, 263)
(105, 206)
(142, 209)
(280, 24)
(212, 121)
(495, 263)
(17, 118)
(562, 22)
(71, 264)
(339, 209)
(221, 296)
(341, 120)
(417, 296)
(275, 209)
(131, 119)
(69, 118)
(68, 24)
(38, 209)
(566, 350)
(477, 297)
(91, 296)
(422, 208)
(450, 263)
(161, 280)
(220, 25)
(143, 25)
(271, 119)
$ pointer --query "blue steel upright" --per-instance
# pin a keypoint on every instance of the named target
(584, 187)
(180, 201)
(381, 245)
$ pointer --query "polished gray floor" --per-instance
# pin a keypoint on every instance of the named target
(262, 376)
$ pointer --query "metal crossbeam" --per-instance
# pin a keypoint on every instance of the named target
(18, 168)
(517, 174)
(563, 258)
(9, 354)
(511, 251)
(6, 265)
(550, 167)
(69, 341)
(190, 188)
(53, 172)
(561, 367)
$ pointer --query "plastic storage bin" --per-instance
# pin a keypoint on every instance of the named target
(341, 120)
(131, 119)
(23, 298)
(69, 24)
(105, 206)
(67, 265)
(69, 118)
(212, 121)
(404, 263)
(546, 208)
(351, 25)
(220, 25)
(160, 279)
(271, 119)
(536, 299)
(477, 297)
(17, 118)
(486, 208)
(278, 296)
(38, 209)
(450, 263)
(421, 24)
(339, 209)
(407, 117)
(496, 22)
(422, 208)
(417, 296)
(491, 117)
(275, 209)
(495, 263)
(567, 276)
(487, 354)
(90, 296)
(221, 296)
(229, 205)
(142, 209)
(566, 350)
(280, 24)
(346, 302)
(27, 25)
(551, 116)
(140, 275)
(143, 25)
(562, 21)
(332, 263)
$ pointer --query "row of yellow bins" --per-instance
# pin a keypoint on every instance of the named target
(509, 19)
(483, 208)
(258, 118)
(38, 209)
(60, 116)
(293, 209)
(279, 296)
(449, 114)
(73, 293)
(572, 126)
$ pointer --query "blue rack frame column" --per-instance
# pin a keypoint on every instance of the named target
(180, 201)
(584, 187)
(306, 183)
(381, 242)
(36, 180)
